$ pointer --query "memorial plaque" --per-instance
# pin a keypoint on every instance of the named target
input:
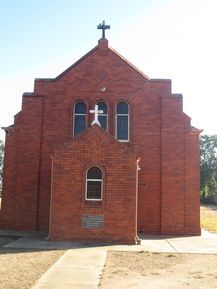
(93, 221)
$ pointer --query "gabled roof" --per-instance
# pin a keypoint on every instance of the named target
(196, 130)
(8, 128)
(97, 136)
(129, 63)
(101, 43)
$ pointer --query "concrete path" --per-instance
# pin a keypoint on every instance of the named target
(76, 269)
(81, 266)
(204, 244)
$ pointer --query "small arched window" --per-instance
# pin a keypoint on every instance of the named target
(103, 117)
(80, 112)
(122, 121)
(94, 184)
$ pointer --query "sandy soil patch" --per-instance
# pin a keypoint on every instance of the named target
(21, 268)
(140, 270)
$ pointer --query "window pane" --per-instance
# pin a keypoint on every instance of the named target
(80, 124)
(80, 107)
(94, 189)
(102, 106)
(103, 121)
(94, 173)
(122, 108)
(122, 127)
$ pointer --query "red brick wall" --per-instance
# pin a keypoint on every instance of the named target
(21, 168)
(118, 207)
(172, 166)
(146, 140)
(168, 191)
(28, 163)
(8, 208)
(192, 183)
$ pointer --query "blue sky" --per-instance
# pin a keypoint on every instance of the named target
(165, 39)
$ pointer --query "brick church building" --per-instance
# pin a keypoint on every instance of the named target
(130, 166)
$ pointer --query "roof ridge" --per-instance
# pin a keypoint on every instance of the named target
(69, 68)
(85, 56)
(129, 63)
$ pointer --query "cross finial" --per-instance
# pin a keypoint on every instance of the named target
(103, 27)
(96, 114)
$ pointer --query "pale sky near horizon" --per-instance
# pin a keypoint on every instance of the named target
(173, 39)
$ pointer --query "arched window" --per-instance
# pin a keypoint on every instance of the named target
(103, 117)
(80, 112)
(94, 183)
(122, 121)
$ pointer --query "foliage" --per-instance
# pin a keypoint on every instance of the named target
(208, 165)
(1, 162)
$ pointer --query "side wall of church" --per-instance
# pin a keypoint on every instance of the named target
(172, 166)
(146, 130)
(180, 203)
(21, 168)
(192, 183)
(28, 163)
(9, 196)
(168, 194)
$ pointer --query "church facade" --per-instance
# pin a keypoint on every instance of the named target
(136, 171)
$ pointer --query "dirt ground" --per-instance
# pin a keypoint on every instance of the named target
(141, 270)
(21, 268)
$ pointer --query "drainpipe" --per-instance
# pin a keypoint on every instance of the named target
(137, 240)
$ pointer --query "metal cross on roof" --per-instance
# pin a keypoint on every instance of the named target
(103, 27)
(96, 112)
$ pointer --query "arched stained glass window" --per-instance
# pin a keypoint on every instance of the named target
(122, 121)
(103, 117)
(94, 183)
(80, 112)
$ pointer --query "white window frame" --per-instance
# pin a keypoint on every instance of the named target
(128, 122)
(82, 114)
(94, 180)
(104, 114)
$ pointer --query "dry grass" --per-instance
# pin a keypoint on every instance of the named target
(208, 218)
(21, 268)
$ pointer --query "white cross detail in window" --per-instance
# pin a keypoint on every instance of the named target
(96, 114)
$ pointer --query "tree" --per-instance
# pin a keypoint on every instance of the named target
(1, 163)
(208, 165)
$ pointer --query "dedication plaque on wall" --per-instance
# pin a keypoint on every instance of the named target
(92, 221)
